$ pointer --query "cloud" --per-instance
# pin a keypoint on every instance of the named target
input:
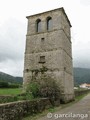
(85, 2)
(12, 40)
(12, 67)
(13, 30)
(12, 45)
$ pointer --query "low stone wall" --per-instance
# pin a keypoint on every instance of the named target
(7, 98)
(81, 92)
(17, 110)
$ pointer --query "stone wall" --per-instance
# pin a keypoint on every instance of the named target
(17, 110)
(81, 92)
(7, 98)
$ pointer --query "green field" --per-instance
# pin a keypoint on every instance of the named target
(10, 91)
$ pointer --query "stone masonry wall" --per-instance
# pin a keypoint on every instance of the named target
(55, 47)
(17, 110)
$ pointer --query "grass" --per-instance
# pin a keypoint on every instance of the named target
(15, 94)
(10, 91)
(16, 91)
(54, 109)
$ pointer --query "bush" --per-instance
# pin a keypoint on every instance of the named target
(8, 85)
(49, 87)
(13, 86)
(6, 99)
(44, 86)
(4, 84)
(26, 96)
(34, 88)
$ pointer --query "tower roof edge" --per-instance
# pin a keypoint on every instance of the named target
(61, 9)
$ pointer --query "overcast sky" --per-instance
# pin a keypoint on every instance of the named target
(13, 28)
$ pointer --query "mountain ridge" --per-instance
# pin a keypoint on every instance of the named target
(9, 78)
(81, 75)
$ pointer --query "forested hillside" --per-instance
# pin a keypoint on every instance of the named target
(81, 75)
(11, 79)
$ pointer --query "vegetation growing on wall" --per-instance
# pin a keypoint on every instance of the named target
(44, 85)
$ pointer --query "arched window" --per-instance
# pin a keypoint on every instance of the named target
(38, 25)
(49, 23)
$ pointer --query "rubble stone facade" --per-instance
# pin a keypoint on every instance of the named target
(48, 45)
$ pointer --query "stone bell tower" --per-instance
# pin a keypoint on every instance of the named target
(48, 44)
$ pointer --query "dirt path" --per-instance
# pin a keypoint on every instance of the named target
(77, 111)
